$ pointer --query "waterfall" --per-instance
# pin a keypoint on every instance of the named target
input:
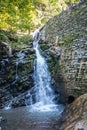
(42, 93)
(41, 96)
(42, 78)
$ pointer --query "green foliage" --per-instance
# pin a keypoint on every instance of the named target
(26, 15)
(71, 1)
(24, 38)
(3, 36)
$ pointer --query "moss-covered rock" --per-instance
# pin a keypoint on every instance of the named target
(16, 66)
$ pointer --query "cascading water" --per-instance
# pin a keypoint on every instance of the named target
(40, 97)
(43, 93)
(42, 78)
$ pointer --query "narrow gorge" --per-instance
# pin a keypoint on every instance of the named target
(43, 76)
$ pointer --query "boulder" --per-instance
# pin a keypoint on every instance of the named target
(75, 115)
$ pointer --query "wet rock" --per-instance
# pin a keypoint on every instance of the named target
(15, 72)
(3, 49)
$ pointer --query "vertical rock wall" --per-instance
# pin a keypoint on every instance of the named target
(66, 35)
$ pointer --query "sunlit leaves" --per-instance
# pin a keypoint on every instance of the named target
(4, 16)
(26, 15)
(71, 1)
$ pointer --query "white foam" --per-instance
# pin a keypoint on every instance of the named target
(47, 108)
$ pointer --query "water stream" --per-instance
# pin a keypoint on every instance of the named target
(43, 93)
(42, 78)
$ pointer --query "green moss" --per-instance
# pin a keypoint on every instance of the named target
(24, 71)
(18, 46)
(10, 74)
(21, 42)
(15, 41)
(3, 36)
(77, 92)
(68, 39)
(24, 38)
(55, 68)
(44, 46)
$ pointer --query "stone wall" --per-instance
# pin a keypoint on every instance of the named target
(66, 35)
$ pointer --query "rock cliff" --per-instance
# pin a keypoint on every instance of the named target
(66, 37)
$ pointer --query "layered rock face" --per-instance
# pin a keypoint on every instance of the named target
(16, 69)
(75, 116)
(66, 35)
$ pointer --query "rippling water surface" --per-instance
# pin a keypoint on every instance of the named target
(27, 119)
